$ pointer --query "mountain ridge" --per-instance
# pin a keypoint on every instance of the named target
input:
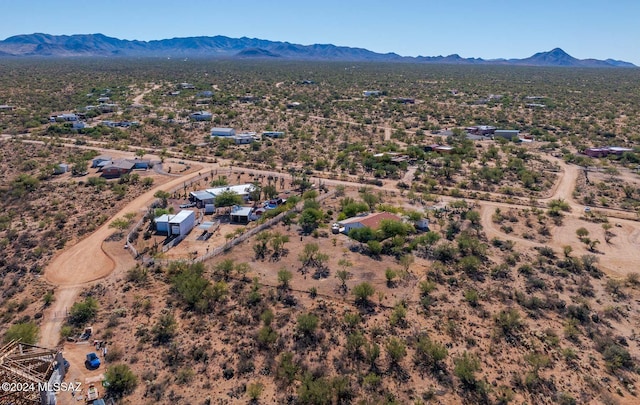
(100, 45)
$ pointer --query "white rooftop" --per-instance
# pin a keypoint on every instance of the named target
(241, 211)
(241, 189)
(180, 216)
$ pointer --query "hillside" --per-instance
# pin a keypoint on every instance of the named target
(99, 45)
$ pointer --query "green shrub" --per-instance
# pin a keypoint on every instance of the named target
(120, 380)
(26, 332)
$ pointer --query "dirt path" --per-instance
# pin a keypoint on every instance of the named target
(138, 99)
(55, 315)
(387, 134)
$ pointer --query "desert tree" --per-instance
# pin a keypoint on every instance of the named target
(120, 380)
(284, 278)
(363, 292)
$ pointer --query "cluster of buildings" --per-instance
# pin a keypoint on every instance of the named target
(606, 151)
(180, 224)
(206, 198)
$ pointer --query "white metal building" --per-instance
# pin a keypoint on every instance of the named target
(176, 225)
(223, 132)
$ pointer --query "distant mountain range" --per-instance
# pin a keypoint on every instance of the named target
(98, 45)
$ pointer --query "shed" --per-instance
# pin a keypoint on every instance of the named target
(223, 132)
(506, 133)
(61, 168)
(141, 164)
(99, 159)
(240, 214)
(176, 225)
(162, 223)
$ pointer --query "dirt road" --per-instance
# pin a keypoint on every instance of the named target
(138, 99)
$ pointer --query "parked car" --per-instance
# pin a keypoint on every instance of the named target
(188, 205)
(93, 361)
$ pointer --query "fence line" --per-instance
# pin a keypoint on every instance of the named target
(220, 249)
(267, 224)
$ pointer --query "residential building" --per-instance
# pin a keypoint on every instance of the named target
(481, 130)
(223, 132)
(371, 221)
(242, 190)
(69, 117)
(117, 168)
(201, 198)
(273, 134)
(506, 133)
(243, 139)
(606, 151)
(371, 93)
(201, 116)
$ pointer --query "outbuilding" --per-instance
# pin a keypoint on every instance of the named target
(506, 133)
(201, 116)
(240, 214)
(176, 225)
(223, 132)
(100, 159)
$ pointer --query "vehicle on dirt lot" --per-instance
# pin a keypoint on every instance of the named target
(93, 361)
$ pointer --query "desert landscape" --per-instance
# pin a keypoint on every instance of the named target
(392, 251)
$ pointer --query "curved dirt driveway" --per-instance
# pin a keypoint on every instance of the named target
(87, 261)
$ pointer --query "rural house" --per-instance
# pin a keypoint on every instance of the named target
(371, 221)
(117, 168)
(201, 116)
(273, 134)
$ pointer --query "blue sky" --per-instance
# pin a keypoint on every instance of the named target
(488, 29)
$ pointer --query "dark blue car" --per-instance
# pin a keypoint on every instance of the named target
(92, 361)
